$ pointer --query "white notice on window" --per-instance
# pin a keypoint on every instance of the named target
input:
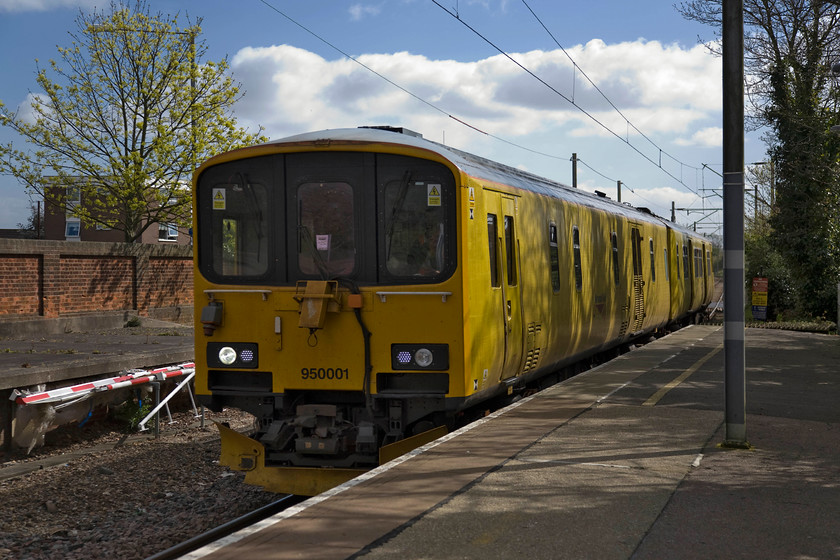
(322, 242)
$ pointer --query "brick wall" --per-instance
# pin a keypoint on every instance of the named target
(20, 286)
(56, 278)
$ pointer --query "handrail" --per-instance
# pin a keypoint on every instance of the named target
(383, 295)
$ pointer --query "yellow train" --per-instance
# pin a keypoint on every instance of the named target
(357, 289)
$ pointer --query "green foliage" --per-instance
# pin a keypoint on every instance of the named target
(789, 49)
(125, 116)
(131, 412)
(764, 261)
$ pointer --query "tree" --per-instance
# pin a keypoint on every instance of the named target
(789, 47)
(130, 113)
(34, 226)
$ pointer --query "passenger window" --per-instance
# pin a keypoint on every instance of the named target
(510, 247)
(614, 240)
(326, 236)
(554, 257)
(667, 266)
(677, 258)
(576, 249)
(685, 262)
(492, 237)
(652, 262)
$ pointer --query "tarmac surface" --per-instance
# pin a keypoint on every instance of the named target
(621, 462)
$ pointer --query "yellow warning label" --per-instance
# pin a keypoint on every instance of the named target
(433, 194)
(218, 199)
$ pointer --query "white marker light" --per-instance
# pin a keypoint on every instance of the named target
(423, 357)
(227, 355)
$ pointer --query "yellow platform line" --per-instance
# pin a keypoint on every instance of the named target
(657, 396)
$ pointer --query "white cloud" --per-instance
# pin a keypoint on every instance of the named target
(44, 5)
(710, 137)
(359, 11)
(671, 94)
(661, 89)
(25, 111)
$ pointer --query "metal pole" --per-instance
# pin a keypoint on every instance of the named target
(574, 170)
(618, 186)
(733, 223)
(673, 212)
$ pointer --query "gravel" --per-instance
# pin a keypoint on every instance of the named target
(118, 496)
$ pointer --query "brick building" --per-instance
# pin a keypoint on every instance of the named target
(63, 226)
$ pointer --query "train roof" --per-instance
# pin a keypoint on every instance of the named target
(480, 168)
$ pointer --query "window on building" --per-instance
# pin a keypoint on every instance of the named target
(72, 229)
(167, 232)
(72, 199)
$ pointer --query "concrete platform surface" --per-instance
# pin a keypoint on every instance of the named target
(96, 346)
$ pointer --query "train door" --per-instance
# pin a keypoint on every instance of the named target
(690, 274)
(507, 255)
(638, 280)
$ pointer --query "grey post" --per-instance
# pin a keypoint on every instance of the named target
(733, 222)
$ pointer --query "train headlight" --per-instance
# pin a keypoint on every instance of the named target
(232, 355)
(227, 355)
(424, 357)
(433, 357)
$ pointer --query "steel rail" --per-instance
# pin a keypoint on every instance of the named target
(227, 528)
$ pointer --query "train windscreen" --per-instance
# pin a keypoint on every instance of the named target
(372, 218)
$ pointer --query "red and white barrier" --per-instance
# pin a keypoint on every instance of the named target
(129, 378)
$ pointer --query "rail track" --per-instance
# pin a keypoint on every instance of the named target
(228, 528)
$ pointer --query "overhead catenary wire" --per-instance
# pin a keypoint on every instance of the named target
(404, 89)
(629, 188)
(572, 102)
(604, 95)
(469, 125)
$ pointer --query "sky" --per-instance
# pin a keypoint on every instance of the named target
(483, 76)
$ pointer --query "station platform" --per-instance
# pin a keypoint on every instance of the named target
(57, 352)
(620, 462)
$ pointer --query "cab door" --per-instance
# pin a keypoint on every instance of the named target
(507, 257)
